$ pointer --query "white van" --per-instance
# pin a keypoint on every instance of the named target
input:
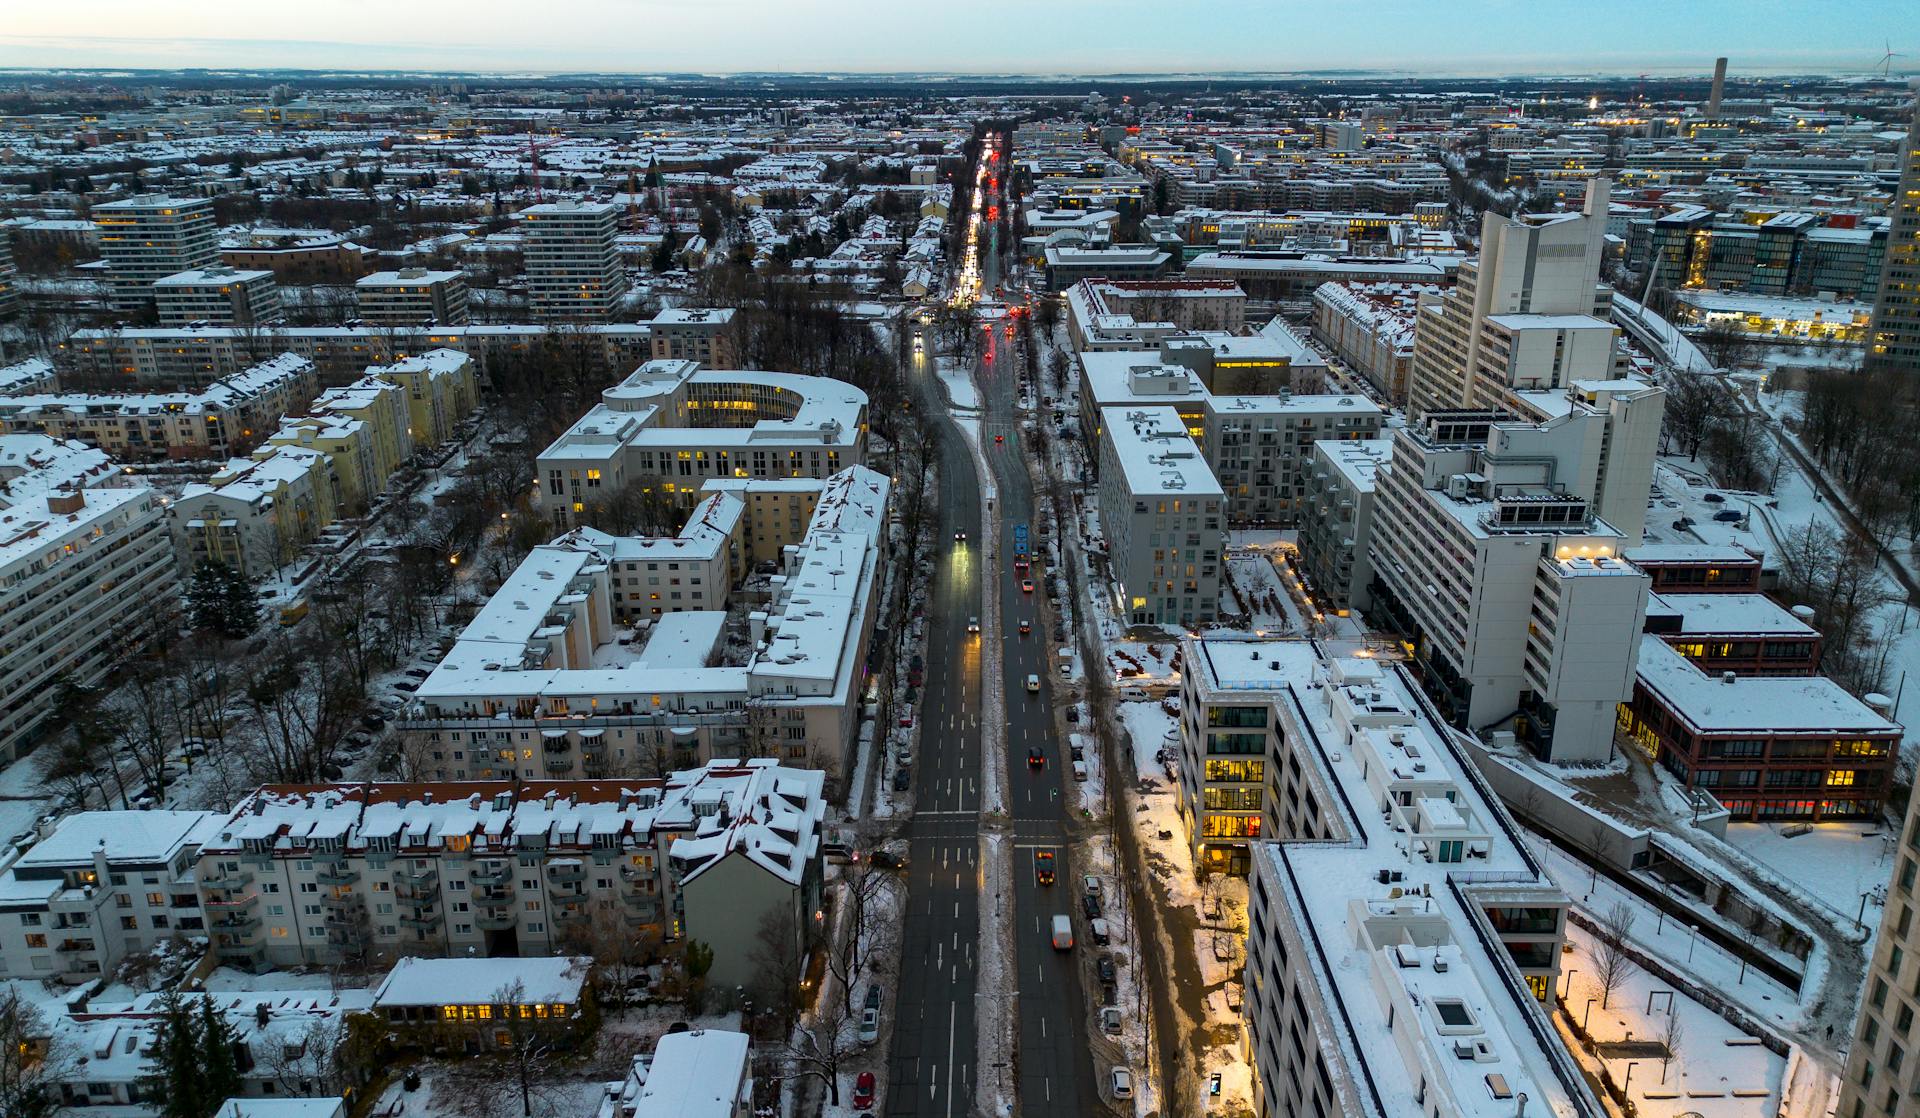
(1063, 933)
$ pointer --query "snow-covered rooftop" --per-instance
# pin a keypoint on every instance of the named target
(434, 982)
(1761, 705)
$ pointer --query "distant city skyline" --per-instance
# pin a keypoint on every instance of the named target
(1461, 37)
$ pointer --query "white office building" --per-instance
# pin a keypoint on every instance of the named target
(1164, 518)
(218, 296)
(412, 297)
(146, 239)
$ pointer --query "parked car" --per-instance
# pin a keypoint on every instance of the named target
(863, 1087)
(1110, 1021)
(1103, 966)
(1713, 498)
(1122, 1081)
(1729, 516)
(1090, 905)
(869, 1025)
(887, 860)
(901, 778)
(1102, 935)
(1090, 885)
(407, 685)
(1080, 773)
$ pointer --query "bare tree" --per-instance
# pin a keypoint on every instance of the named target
(303, 701)
(1612, 963)
(867, 899)
(619, 950)
(817, 1049)
(1672, 1036)
(779, 965)
(31, 1061)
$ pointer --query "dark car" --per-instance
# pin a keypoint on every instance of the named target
(1712, 498)
(1103, 966)
(1729, 516)
(901, 778)
(1043, 866)
(887, 861)
(1073, 715)
(1035, 758)
(1090, 905)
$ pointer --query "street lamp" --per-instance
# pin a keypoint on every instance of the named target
(1694, 929)
(1587, 1014)
(1571, 971)
(1628, 1080)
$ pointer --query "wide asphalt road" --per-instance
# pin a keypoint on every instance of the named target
(931, 1070)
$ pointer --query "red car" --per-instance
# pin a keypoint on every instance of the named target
(863, 1091)
(999, 439)
(1026, 586)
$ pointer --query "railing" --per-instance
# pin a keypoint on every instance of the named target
(566, 875)
(237, 879)
(424, 920)
(335, 873)
(500, 876)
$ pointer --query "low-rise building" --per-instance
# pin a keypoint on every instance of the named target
(98, 886)
(670, 427)
(1748, 634)
(472, 1005)
(1068, 264)
(307, 875)
(217, 295)
(412, 297)
(1699, 568)
(701, 1073)
(703, 334)
(1768, 747)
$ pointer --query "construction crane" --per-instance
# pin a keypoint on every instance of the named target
(533, 157)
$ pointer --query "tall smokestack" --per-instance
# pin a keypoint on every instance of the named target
(1719, 87)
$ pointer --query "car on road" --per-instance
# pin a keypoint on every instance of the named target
(863, 1086)
(887, 860)
(1036, 758)
(1103, 966)
(1033, 683)
(1090, 905)
(1026, 586)
(960, 536)
(1043, 867)
(999, 440)
(1025, 626)
(1122, 1080)
(1062, 932)
(973, 624)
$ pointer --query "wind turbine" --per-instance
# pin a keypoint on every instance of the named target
(1886, 60)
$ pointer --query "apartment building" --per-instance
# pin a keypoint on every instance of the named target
(151, 237)
(9, 278)
(1135, 314)
(1258, 446)
(1403, 943)
(364, 428)
(1370, 327)
(603, 655)
(312, 875)
(1768, 747)
(340, 353)
(671, 427)
(255, 514)
(703, 334)
(1878, 1082)
(217, 295)
(1068, 264)
(1528, 314)
(88, 572)
(412, 297)
(229, 416)
(1298, 273)
(97, 886)
(572, 263)
(441, 392)
(1163, 515)
(1336, 521)
(1506, 582)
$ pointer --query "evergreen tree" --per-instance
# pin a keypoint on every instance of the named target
(176, 1083)
(219, 1056)
(663, 256)
(221, 599)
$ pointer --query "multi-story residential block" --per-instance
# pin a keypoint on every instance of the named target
(1879, 1082)
(1370, 327)
(1067, 265)
(1164, 518)
(412, 297)
(340, 353)
(365, 429)
(217, 295)
(704, 334)
(1508, 583)
(89, 576)
(9, 278)
(669, 427)
(35, 374)
(1257, 446)
(556, 661)
(313, 875)
(441, 391)
(151, 237)
(1336, 519)
(1528, 314)
(1768, 747)
(1403, 942)
(1298, 273)
(702, 1073)
(573, 265)
(98, 886)
(254, 514)
(1136, 314)
(228, 417)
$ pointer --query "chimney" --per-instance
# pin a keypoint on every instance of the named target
(1728, 677)
(1719, 87)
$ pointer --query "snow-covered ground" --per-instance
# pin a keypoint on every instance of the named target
(1835, 863)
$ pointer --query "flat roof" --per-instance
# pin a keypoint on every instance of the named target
(416, 982)
(695, 1074)
(1729, 614)
(1157, 455)
(1760, 705)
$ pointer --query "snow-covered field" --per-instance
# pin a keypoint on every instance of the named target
(1834, 863)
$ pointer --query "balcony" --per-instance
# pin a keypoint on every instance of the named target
(342, 918)
(425, 920)
(232, 904)
(497, 921)
(228, 881)
(569, 916)
(557, 764)
(566, 872)
(69, 946)
(494, 898)
(418, 879)
(340, 900)
(236, 924)
(336, 873)
(491, 877)
(416, 900)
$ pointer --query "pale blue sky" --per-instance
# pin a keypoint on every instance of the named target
(1034, 36)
